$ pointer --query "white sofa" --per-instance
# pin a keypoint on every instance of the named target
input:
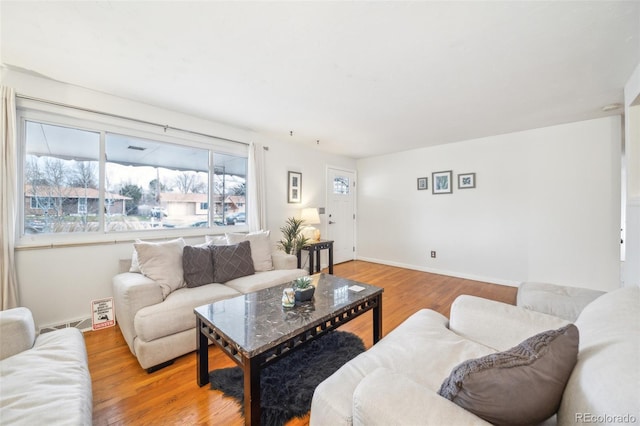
(44, 380)
(159, 328)
(557, 300)
(396, 381)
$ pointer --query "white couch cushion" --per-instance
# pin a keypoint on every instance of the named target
(162, 262)
(422, 347)
(483, 321)
(175, 314)
(17, 330)
(606, 379)
(386, 397)
(282, 260)
(265, 279)
(48, 384)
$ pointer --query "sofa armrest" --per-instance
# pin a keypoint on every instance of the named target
(282, 260)
(132, 292)
(496, 324)
(124, 265)
(387, 397)
(17, 331)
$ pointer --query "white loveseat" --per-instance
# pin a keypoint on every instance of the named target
(159, 324)
(397, 380)
(44, 380)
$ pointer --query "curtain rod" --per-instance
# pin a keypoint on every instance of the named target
(164, 126)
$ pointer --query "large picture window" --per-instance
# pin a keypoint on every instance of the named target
(60, 174)
(84, 179)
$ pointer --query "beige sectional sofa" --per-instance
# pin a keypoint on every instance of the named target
(397, 380)
(44, 380)
(156, 316)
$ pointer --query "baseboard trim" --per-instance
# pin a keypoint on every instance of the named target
(83, 324)
(485, 279)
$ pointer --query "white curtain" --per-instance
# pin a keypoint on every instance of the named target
(8, 189)
(256, 216)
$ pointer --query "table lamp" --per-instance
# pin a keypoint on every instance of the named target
(311, 217)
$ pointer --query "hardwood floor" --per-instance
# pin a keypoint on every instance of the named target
(124, 394)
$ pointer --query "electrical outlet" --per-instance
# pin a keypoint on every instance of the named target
(433, 254)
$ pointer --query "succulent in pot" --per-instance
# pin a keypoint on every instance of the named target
(303, 288)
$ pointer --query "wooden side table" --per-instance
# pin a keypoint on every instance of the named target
(316, 247)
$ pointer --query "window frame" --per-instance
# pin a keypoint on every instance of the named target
(28, 110)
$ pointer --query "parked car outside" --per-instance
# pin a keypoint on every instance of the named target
(236, 218)
(158, 212)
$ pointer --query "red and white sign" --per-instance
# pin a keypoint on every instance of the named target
(103, 313)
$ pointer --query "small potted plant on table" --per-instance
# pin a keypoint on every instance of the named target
(304, 289)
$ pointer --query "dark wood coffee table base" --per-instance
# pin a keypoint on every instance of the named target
(252, 365)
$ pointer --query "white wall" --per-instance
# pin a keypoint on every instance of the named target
(632, 143)
(546, 207)
(283, 157)
(58, 284)
(631, 265)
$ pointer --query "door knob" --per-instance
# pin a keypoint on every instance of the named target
(331, 222)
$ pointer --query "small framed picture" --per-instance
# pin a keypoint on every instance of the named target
(295, 187)
(466, 180)
(423, 183)
(441, 182)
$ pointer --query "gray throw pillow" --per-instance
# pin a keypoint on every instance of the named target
(232, 261)
(197, 264)
(523, 385)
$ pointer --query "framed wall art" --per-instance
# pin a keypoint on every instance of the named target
(466, 180)
(423, 183)
(295, 187)
(441, 182)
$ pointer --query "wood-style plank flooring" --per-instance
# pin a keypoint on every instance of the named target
(124, 394)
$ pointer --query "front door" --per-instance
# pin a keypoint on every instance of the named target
(340, 214)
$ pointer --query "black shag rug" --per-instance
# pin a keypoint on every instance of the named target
(287, 385)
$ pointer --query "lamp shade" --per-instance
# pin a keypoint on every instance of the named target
(310, 216)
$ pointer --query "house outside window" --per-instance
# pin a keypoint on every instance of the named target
(91, 177)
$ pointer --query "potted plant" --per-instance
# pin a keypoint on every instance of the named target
(292, 239)
(304, 289)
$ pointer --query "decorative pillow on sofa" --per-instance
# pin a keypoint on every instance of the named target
(260, 248)
(523, 385)
(197, 264)
(162, 262)
(135, 265)
(232, 261)
(216, 240)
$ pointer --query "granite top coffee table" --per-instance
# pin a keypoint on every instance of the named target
(255, 329)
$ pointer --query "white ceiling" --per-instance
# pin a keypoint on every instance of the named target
(363, 78)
